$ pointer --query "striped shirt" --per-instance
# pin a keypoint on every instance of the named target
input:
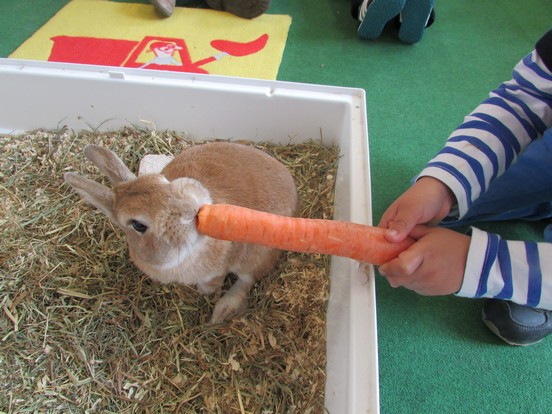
(482, 149)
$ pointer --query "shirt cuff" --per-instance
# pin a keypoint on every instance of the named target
(475, 262)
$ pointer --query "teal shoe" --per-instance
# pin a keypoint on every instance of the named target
(375, 14)
(414, 19)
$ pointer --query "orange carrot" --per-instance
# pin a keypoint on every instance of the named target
(340, 238)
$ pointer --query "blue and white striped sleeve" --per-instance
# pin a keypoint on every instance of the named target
(495, 133)
(480, 150)
(520, 271)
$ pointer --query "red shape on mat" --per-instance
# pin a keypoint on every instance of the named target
(90, 50)
(240, 49)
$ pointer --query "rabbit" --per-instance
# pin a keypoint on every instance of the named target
(157, 213)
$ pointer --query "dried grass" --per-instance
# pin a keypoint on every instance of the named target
(82, 330)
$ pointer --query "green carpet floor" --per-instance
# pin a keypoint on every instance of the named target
(435, 354)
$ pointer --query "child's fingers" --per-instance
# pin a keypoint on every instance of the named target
(407, 262)
(400, 270)
(420, 230)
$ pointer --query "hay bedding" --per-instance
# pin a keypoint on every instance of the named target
(82, 330)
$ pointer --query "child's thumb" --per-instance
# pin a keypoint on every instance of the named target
(398, 229)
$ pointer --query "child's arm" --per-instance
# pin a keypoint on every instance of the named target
(497, 131)
(480, 150)
(443, 262)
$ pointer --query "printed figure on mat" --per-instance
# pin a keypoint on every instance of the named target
(496, 166)
(409, 17)
(247, 9)
(163, 52)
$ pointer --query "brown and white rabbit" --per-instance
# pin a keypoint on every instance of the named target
(158, 212)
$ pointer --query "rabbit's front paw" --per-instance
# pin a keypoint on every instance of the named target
(227, 307)
(233, 302)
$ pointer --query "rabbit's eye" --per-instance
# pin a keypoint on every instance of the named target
(139, 227)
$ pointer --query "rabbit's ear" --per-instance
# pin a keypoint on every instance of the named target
(108, 163)
(93, 193)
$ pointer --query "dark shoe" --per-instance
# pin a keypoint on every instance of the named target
(517, 324)
(248, 9)
(548, 233)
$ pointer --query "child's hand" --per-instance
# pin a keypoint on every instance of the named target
(428, 201)
(433, 265)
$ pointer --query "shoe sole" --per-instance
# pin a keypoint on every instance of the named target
(378, 14)
(415, 15)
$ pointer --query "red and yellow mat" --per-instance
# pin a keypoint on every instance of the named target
(134, 35)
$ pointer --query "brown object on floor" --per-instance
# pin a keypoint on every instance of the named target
(247, 9)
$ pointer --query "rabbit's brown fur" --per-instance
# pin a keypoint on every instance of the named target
(170, 249)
